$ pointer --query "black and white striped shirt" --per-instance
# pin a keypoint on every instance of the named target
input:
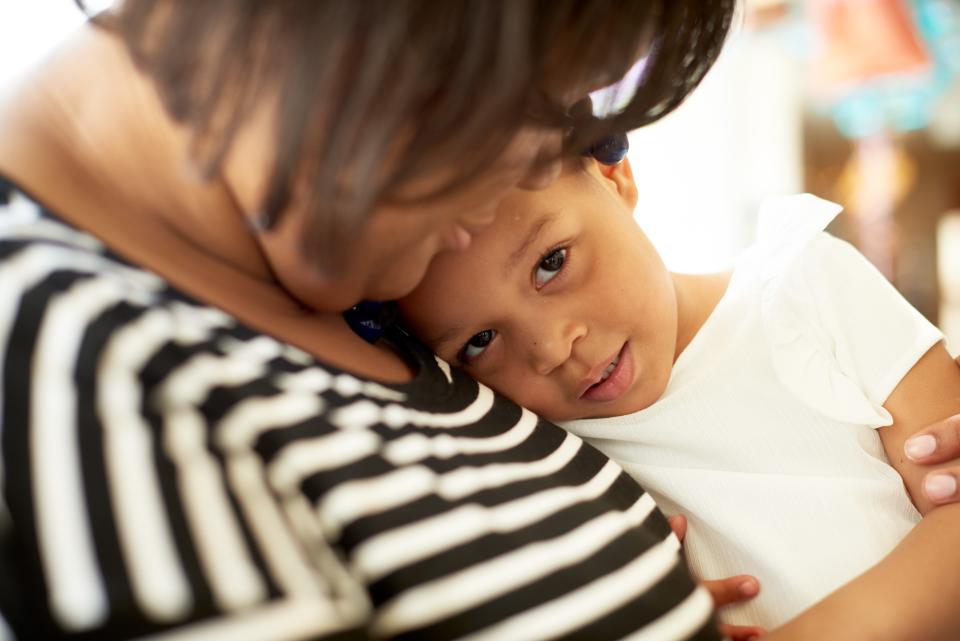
(170, 473)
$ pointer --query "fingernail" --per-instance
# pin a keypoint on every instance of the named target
(920, 447)
(939, 487)
(749, 588)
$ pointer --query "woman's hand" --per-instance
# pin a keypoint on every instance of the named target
(733, 589)
(938, 443)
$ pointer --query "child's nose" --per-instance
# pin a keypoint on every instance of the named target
(552, 345)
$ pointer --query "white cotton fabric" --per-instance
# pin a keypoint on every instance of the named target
(765, 436)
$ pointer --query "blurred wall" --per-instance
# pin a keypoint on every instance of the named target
(857, 101)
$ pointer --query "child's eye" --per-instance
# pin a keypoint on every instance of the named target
(550, 266)
(477, 344)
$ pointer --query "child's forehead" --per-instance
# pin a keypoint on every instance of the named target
(568, 180)
(496, 252)
(523, 207)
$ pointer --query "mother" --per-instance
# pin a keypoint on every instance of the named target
(194, 440)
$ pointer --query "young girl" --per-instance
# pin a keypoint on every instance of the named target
(749, 401)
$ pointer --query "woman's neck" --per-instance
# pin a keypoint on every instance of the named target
(88, 137)
(88, 116)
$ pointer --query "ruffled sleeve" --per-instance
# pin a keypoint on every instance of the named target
(841, 337)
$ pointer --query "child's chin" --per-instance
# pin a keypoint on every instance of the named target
(604, 410)
(576, 416)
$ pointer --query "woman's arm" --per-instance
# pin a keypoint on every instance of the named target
(912, 593)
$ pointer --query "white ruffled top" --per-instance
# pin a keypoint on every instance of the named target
(765, 436)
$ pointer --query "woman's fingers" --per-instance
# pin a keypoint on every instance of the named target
(741, 632)
(733, 589)
(678, 523)
(941, 486)
(938, 443)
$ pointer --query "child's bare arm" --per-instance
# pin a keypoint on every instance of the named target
(938, 443)
(912, 593)
(929, 392)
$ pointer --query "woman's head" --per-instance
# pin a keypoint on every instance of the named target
(323, 115)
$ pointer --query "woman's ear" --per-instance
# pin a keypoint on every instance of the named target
(621, 178)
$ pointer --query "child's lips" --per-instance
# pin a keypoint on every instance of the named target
(614, 386)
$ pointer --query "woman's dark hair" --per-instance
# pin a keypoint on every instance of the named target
(430, 85)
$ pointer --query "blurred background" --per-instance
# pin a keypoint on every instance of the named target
(857, 101)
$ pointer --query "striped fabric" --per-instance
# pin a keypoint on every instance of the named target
(168, 473)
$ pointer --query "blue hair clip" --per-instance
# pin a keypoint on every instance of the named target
(370, 319)
(610, 150)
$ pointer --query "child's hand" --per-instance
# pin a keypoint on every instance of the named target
(741, 632)
(733, 589)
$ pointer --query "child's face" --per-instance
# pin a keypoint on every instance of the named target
(562, 285)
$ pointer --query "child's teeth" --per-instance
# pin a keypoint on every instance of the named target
(610, 368)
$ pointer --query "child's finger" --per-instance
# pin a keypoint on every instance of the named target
(678, 523)
(733, 589)
(741, 632)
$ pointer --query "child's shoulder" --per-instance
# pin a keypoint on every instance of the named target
(795, 256)
(840, 334)
(791, 228)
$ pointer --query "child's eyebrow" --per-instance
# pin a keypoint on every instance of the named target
(535, 228)
(444, 339)
(448, 336)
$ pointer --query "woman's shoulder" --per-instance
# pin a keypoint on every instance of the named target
(36, 244)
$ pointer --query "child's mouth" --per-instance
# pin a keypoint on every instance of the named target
(614, 380)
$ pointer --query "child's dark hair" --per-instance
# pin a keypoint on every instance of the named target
(432, 84)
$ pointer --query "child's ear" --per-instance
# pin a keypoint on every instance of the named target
(621, 177)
